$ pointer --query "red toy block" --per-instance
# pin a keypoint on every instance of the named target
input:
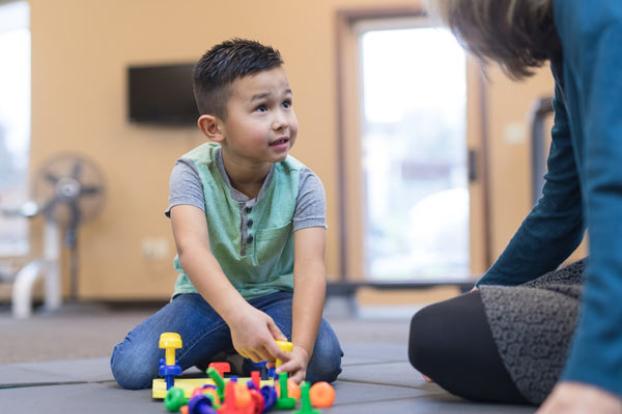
(222, 367)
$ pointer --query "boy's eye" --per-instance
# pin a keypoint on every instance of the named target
(287, 103)
(261, 108)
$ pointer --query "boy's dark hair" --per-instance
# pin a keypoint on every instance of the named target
(224, 63)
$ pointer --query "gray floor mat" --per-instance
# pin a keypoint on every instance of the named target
(82, 370)
(106, 398)
(437, 404)
(357, 353)
(86, 386)
(400, 374)
(74, 375)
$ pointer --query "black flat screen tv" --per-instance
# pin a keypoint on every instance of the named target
(161, 94)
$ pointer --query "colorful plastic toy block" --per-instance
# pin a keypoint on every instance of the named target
(269, 397)
(305, 401)
(218, 380)
(210, 391)
(285, 346)
(175, 399)
(158, 388)
(226, 395)
(293, 389)
(284, 402)
(256, 379)
(322, 395)
(222, 367)
(201, 404)
(169, 341)
(236, 402)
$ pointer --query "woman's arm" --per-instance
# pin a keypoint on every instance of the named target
(594, 33)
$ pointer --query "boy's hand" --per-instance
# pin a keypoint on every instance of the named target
(253, 334)
(296, 365)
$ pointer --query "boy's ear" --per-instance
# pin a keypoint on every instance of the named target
(211, 127)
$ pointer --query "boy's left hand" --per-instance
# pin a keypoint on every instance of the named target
(296, 365)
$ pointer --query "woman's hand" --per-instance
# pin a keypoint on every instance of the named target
(577, 398)
(296, 364)
(253, 334)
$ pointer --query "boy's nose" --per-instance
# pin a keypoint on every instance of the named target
(279, 122)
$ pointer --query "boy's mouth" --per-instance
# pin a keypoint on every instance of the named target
(279, 141)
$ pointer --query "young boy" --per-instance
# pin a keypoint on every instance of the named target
(249, 226)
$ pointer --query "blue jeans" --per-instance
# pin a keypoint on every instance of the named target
(135, 361)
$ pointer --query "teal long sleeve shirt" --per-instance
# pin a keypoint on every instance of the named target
(583, 188)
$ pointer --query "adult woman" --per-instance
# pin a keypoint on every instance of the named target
(527, 326)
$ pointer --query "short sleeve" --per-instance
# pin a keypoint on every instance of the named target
(310, 203)
(185, 187)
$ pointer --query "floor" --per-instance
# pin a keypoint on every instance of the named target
(58, 363)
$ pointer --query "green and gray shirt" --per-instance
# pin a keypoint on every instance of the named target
(252, 239)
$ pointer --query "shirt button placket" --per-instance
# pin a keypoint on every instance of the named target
(249, 224)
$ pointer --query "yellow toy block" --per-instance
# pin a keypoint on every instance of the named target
(286, 347)
(158, 386)
(170, 341)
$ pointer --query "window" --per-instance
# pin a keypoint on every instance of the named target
(14, 122)
(413, 151)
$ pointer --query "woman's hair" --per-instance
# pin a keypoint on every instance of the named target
(517, 34)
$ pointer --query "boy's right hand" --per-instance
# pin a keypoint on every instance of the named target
(253, 334)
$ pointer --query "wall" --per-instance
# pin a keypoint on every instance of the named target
(509, 119)
(80, 51)
(509, 106)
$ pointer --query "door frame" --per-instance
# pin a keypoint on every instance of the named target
(350, 185)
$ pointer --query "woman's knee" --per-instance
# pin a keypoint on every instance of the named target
(423, 345)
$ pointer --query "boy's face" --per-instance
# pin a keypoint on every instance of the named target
(261, 125)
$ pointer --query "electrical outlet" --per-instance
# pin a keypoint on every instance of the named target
(155, 248)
